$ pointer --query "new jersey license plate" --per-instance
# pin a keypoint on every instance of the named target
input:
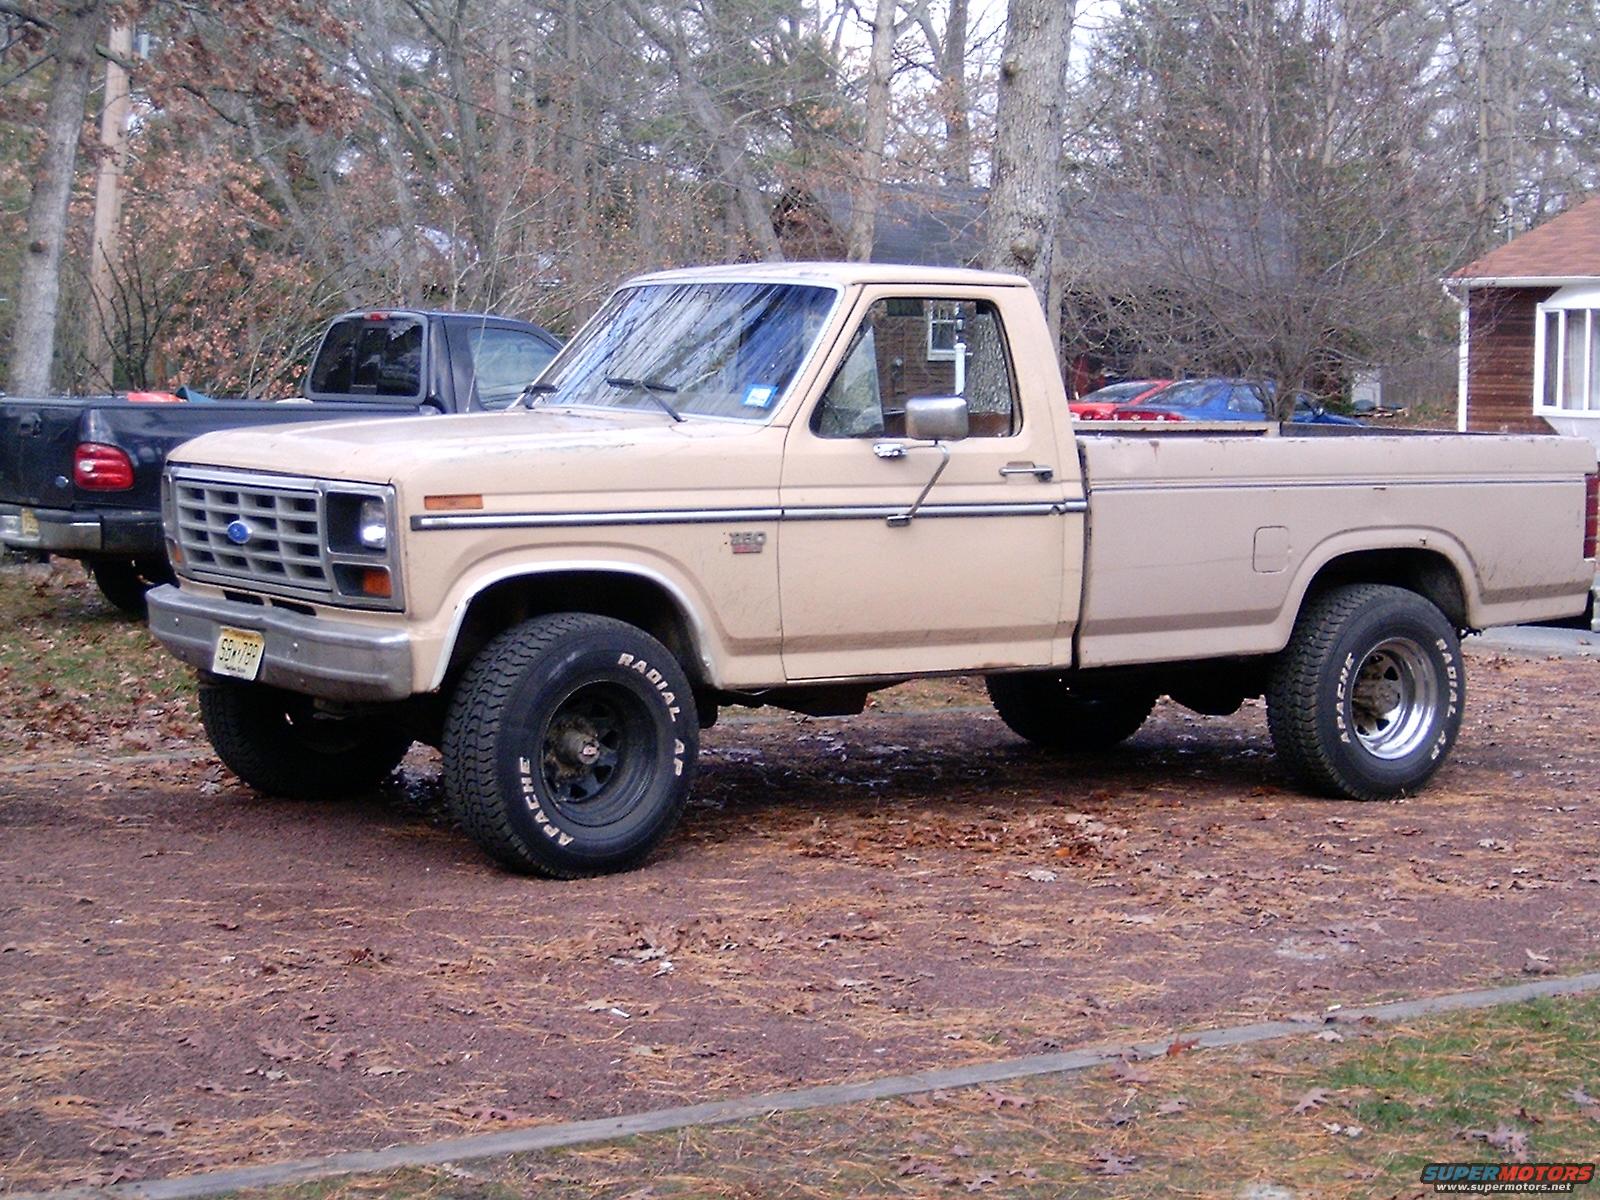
(238, 653)
(30, 524)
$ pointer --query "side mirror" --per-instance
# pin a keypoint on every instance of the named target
(936, 418)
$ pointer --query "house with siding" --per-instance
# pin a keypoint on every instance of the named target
(1530, 331)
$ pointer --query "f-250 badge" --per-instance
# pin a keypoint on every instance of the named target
(747, 543)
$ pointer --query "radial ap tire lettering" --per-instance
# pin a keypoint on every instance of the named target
(570, 745)
(1365, 702)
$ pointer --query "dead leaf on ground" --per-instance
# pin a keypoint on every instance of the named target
(277, 1049)
(1007, 1099)
(1315, 1098)
(1502, 1137)
(1108, 1162)
(1127, 1072)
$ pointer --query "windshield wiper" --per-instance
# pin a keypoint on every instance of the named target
(653, 388)
(532, 390)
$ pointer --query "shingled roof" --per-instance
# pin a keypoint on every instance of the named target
(1567, 247)
(1114, 234)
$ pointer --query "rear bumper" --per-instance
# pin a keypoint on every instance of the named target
(133, 534)
(335, 660)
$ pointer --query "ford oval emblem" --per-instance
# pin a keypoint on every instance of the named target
(238, 532)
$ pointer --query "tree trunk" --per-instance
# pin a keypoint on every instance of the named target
(33, 337)
(953, 91)
(1024, 203)
(864, 209)
(105, 246)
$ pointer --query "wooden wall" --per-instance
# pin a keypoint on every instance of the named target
(1500, 324)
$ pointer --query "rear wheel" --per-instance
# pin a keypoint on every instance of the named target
(124, 581)
(1365, 703)
(570, 745)
(1044, 708)
(282, 744)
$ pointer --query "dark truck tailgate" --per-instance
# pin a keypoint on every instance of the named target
(37, 438)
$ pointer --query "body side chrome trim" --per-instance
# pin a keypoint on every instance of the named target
(1192, 485)
(1037, 508)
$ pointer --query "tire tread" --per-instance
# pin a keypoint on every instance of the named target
(471, 751)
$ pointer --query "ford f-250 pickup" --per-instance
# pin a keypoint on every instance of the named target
(793, 485)
(81, 476)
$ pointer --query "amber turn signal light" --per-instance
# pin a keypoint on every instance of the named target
(451, 503)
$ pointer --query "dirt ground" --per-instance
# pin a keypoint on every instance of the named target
(192, 976)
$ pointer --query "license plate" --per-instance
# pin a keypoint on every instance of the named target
(238, 653)
(30, 524)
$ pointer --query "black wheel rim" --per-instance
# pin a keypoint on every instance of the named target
(595, 754)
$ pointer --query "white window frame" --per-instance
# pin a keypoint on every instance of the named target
(943, 312)
(1581, 302)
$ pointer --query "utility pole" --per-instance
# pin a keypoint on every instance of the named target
(106, 245)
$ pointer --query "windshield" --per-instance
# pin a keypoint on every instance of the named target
(711, 349)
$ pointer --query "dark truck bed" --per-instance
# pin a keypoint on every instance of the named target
(81, 476)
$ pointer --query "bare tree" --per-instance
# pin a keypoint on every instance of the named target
(1260, 191)
(880, 68)
(1024, 203)
(33, 337)
(753, 206)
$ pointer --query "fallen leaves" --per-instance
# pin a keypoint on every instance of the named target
(1313, 1099)
(1127, 1072)
(1509, 1141)
(1110, 1163)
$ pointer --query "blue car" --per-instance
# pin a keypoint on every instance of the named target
(1224, 400)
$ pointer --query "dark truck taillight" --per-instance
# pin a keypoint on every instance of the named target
(1591, 513)
(98, 468)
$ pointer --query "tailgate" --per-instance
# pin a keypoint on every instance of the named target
(37, 438)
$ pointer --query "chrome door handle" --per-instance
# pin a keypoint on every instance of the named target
(1044, 474)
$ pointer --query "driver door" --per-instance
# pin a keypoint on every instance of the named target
(975, 578)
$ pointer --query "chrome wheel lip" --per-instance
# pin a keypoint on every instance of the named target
(1395, 698)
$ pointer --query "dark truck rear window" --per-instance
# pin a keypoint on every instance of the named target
(366, 357)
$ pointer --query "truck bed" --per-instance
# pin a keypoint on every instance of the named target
(1201, 546)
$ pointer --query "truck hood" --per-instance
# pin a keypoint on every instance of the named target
(518, 454)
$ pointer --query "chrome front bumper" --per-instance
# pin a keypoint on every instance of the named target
(335, 660)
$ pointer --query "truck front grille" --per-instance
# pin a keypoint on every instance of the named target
(253, 533)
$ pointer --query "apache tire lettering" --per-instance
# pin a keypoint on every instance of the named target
(536, 807)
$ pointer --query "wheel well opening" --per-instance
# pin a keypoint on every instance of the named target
(634, 599)
(1428, 573)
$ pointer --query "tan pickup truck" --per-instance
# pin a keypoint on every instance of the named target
(793, 485)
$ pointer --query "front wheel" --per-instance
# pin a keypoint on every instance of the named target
(282, 744)
(1365, 702)
(1043, 707)
(124, 581)
(570, 744)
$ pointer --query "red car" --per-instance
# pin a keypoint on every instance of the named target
(1098, 405)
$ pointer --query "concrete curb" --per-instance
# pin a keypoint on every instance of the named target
(719, 1112)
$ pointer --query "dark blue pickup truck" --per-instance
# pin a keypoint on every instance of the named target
(81, 476)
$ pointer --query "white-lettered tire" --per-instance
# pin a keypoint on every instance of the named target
(282, 744)
(570, 745)
(1043, 707)
(1365, 702)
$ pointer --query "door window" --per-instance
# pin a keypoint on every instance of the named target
(889, 362)
(506, 361)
